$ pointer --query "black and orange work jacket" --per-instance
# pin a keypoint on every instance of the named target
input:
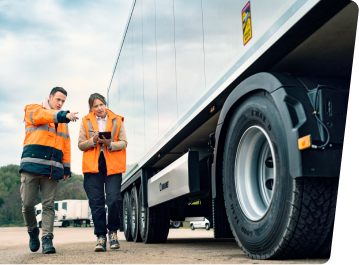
(47, 150)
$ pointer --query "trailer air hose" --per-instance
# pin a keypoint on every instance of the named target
(316, 116)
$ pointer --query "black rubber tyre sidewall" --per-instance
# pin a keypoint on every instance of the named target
(176, 224)
(126, 209)
(209, 227)
(258, 237)
(192, 227)
(135, 226)
(140, 209)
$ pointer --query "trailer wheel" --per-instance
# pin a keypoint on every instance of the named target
(176, 224)
(271, 215)
(135, 216)
(207, 227)
(153, 223)
(192, 227)
(126, 217)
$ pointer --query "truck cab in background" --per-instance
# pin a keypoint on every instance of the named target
(38, 212)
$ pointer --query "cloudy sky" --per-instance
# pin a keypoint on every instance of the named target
(43, 44)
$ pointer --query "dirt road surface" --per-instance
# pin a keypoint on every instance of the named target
(75, 245)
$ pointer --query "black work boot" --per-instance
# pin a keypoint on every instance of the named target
(101, 243)
(34, 242)
(47, 247)
(112, 237)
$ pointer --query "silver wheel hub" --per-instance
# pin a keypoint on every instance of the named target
(142, 217)
(125, 221)
(254, 172)
(133, 227)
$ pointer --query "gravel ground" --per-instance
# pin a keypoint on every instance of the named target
(76, 246)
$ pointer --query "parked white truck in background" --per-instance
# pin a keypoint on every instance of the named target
(38, 212)
(235, 110)
(66, 211)
(75, 211)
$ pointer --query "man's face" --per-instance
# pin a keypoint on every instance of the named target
(57, 101)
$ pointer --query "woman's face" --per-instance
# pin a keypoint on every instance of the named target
(99, 108)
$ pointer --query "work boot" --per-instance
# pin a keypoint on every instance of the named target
(34, 242)
(101, 243)
(47, 247)
(112, 237)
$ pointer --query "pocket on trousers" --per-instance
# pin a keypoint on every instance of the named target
(23, 179)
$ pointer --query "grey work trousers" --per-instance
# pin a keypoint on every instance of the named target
(30, 184)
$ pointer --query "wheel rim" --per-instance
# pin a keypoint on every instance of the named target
(143, 217)
(125, 218)
(254, 172)
(133, 217)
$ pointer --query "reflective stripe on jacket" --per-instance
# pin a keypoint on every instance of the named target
(115, 160)
(45, 150)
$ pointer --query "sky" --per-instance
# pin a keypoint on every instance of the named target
(44, 44)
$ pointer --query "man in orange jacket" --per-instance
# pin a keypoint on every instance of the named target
(45, 159)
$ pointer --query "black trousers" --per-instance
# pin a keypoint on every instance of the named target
(96, 184)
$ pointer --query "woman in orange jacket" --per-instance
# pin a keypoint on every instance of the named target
(104, 161)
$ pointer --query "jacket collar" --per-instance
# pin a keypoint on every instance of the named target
(110, 115)
(45, 104)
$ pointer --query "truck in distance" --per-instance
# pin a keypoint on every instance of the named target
(38, 212)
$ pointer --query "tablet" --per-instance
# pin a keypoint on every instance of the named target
(106, 134)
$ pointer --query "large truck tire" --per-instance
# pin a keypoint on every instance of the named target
(126, 217)
(135, 233)
(326, 248)
(271, 214)
(154, 223)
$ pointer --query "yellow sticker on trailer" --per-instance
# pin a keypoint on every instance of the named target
(246, 23)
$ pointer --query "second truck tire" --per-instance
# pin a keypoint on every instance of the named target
(135, 215)
(153, 222)
(271, 214)
(126, 217)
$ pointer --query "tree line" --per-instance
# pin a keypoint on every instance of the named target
(10, 199)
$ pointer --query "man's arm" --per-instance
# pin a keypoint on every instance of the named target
(66, 159)
(36, 115)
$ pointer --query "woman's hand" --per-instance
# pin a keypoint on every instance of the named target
(95, 136)
(105, 141)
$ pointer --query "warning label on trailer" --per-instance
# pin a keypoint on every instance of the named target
(246, 23)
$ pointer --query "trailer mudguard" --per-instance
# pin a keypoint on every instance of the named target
(290, 94)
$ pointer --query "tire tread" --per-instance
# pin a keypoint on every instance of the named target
(311, 212)
(157, 224)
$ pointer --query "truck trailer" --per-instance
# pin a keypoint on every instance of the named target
(235, 111)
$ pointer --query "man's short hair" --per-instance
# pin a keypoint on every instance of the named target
(58, 89)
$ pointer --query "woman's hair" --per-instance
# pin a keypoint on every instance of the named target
(95, 96)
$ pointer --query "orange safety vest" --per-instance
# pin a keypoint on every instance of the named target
(115, 160)
(46, 150)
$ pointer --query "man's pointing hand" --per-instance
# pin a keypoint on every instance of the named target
(72, 116)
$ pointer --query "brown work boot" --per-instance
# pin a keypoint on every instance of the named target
(112, 237)
(101, 243)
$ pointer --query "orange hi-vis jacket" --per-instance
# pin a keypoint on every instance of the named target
(115, 160)
(46, 150)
